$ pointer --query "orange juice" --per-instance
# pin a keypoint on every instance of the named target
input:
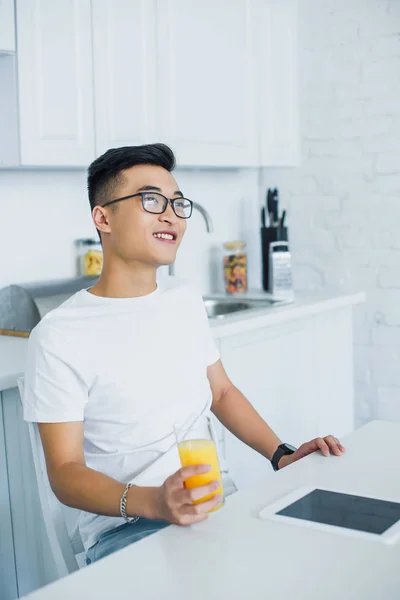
(201, 452)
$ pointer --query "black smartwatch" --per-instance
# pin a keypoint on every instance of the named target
(279, 452)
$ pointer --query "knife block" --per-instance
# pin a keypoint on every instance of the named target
(269, 235)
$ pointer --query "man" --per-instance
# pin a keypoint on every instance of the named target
(111, 370)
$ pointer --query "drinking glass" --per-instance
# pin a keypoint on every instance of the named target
(197, 446)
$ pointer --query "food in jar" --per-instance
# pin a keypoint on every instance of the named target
(89, 256)
(92, 262)
(235, 268)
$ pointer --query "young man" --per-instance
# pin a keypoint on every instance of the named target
(112, 369)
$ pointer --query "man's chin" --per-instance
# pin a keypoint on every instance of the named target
(165, 261)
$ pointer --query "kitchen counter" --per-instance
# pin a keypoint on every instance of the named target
(234, 555)
(304, 305)
(13, 350)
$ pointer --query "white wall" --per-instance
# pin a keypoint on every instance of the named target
(344, 202)
(43, 212)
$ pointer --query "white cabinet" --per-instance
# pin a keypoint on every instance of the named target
(8, 577)
(277, 98)
(7, 26)
(26, 560)
(273, 368)
(299, 377)
(219, 85)
(206, 81)
(124, 61)
(334, 372)
(55, 82)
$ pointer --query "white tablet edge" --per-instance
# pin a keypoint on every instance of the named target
(390, 536)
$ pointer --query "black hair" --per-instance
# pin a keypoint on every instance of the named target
(104, 173)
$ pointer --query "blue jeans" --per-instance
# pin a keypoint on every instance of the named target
(128, 533)
(122, 536)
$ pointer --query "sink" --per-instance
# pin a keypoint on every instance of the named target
(218, 308)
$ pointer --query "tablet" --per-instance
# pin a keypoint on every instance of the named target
(338, 512)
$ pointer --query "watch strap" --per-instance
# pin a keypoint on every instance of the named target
(282, 450)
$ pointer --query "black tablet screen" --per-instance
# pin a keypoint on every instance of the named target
(344, 510)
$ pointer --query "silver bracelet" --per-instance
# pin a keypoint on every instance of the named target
(122, 506)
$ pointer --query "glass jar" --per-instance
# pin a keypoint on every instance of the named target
(89, 257)
(235, 267)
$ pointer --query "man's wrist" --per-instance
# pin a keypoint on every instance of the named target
(142, 502)
(284, 461)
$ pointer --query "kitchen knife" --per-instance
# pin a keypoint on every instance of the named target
(275, 206)
(269, 201)
(271, 219)
(270, 208)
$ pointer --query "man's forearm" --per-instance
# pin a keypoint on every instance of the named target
(238, 415)
(86, 489)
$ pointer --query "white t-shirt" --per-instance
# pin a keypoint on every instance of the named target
(129, 368)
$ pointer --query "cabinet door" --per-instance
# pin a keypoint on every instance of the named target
(33, 559)
(55, 82)
(273, 368)
(334, 376)
(124, 55)
(206, 81)
(8, 578)
(276, 55)
(7, 26)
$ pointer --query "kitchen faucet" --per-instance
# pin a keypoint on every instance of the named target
(209, 228)
(206, 216)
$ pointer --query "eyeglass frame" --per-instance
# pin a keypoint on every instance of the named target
(168, 201)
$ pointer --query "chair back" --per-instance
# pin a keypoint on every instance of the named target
(60, 521)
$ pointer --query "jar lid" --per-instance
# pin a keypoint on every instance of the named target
(234, 245)
(87, 242)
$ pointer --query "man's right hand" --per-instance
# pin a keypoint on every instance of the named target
(174, 503)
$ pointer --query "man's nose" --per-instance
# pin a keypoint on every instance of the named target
(169, 215)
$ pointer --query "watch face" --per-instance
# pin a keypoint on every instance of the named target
(289, 447)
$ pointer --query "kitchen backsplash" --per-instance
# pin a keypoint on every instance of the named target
(43, 212)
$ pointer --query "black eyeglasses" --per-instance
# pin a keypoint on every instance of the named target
(156, 203)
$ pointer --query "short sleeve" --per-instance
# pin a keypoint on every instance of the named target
(54, 391)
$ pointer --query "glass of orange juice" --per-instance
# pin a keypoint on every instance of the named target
(197, 446)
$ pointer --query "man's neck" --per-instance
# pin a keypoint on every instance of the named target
(125, 281)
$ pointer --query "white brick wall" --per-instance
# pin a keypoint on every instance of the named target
(344, 202)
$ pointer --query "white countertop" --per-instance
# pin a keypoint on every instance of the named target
(304, 305)
(13, 350)
(236, 556)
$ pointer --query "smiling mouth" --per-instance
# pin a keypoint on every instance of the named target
(169, 238)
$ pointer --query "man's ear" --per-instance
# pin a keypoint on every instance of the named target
(100, 219)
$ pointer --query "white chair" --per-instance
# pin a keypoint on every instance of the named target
(60, 521)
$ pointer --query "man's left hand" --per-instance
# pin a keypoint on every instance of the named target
(327, 445)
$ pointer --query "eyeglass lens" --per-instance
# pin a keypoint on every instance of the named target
(156, 203)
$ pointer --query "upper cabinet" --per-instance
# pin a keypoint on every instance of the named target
(218, 84)
(7, 26)
(124, 72)
(276, 51)
(206, 79)
(55, 82)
